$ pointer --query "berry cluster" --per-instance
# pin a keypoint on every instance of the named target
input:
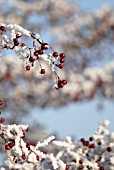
(33, 54)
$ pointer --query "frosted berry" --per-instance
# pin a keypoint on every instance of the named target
(36, 53)
(1, 103)
(40, 52)
(82, 140)
(2, 28)
(28, 146)
(37, 157)
(23, 156)
(60, 84)
(31, 59)
(27, 68)
(109, 149)
(64, 82)
(2, 120)
(16, 43)
(60, 66)
(62, 55)
(7, 147)
(91, 138)
(11, 144)
(80, 167)
(55, 54)
(62, 60)
(67, 167)
(42, 71)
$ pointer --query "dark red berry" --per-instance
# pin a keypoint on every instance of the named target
(92, 146)
(60, 84)
(16, 43)
(11, 144)
(28, 146)
(102, 168)
(60, 66)
(67, 167)
(82, 139)
(86, 143)
(7, 147)
(80, 167)
(27, 68)
(22, 44)
(31, 59)
(1, 103)
(2, 28)
(91, 138)
(23, 156)
(99, 143)
(80, 161)
(64, 82)
(42, 71)
(62, 60)
(2, 120)
(40, 52)
(55, 54)
(36, 53)
(109, 149)
(37, 157)
(62, 55)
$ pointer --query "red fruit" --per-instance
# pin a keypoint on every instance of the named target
(1, 103)
(11, 144)
(80, 167)
(36, 53)
(102, 168)
(64, 82)
(60, 66)
(80, 161)
(67, 167)
(16, 43)
(92, 146)
(28, 146)
(27, 68)
(62, 60)
(60, 84)
(42, 71)
(91, 138)
(62, 55)
(23, 156)
(82, 140)
(99, 143)
(31, 59)
(40, 52)
(22, 44)
(109, 149)
(55, 54)
(37, 157)
(7, 147)
(2, 120)
(2, 28)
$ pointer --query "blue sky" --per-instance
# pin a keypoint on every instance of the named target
(77, 119)
(91, 4)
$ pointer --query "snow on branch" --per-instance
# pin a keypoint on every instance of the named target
(9, 38)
